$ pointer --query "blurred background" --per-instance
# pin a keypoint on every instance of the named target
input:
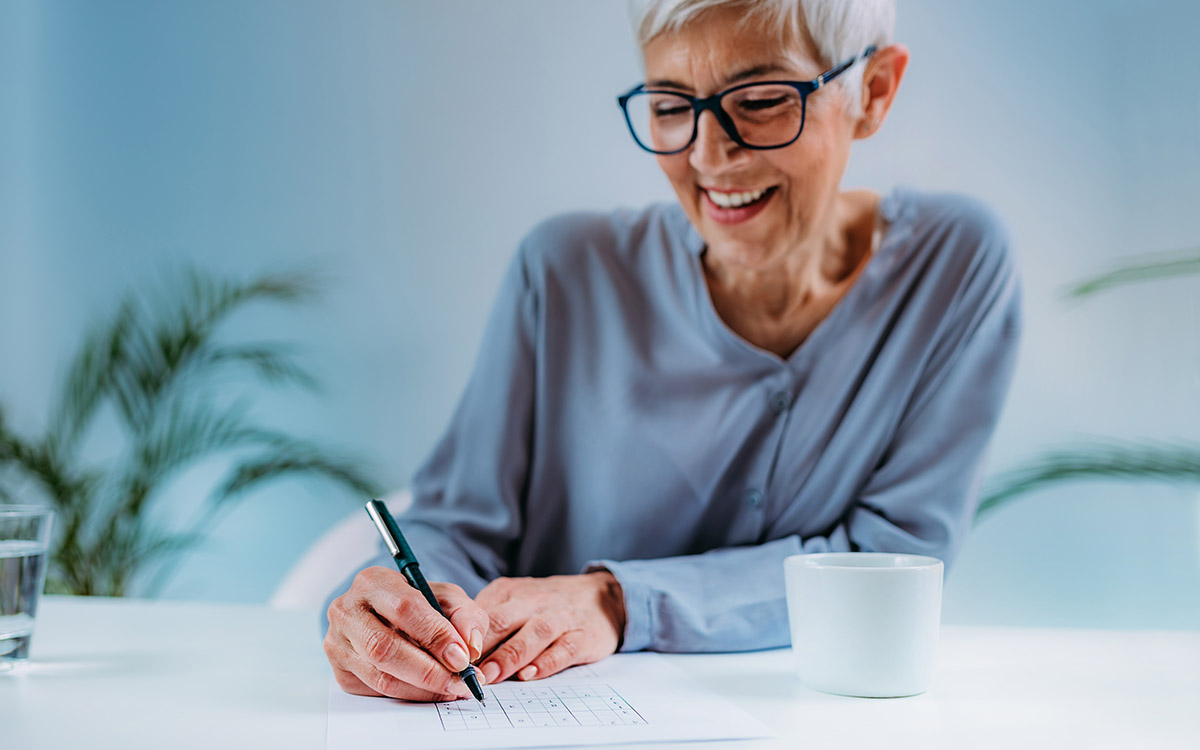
(400, 150)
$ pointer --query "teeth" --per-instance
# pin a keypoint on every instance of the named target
(734, 200)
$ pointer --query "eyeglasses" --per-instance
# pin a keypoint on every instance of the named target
(761, 115)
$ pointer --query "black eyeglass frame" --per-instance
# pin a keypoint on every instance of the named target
(713, 104)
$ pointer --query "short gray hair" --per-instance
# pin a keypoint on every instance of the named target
(839, 29)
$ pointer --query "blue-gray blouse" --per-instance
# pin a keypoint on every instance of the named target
(614, 421)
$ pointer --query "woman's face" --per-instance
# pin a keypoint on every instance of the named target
(707, 56)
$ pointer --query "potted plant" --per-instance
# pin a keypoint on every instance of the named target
(163, 371)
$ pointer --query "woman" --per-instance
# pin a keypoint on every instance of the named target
(669, 402)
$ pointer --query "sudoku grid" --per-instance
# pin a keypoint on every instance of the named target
(522, 706)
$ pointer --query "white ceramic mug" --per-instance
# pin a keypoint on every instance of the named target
(864, 623)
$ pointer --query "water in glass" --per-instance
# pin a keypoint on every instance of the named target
(22, 575)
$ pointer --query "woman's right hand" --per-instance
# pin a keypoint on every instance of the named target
(385, 640)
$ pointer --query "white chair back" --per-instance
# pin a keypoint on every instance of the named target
(337, 553)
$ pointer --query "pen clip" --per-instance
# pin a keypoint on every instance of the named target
(373, 508)
(397, 546)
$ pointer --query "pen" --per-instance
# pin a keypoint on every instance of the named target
(407, 562)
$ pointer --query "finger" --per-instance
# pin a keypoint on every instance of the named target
(406, 610)
(337, 650)
(534, 637)
(467, 617)
(503, 619)
(563, 653)
(350, 683)
(357, 676)
(394, 654)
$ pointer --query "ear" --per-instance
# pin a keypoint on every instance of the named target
(881, 79)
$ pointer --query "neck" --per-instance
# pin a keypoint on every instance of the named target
(807, 276)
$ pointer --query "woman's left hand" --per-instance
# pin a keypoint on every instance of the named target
(540, 626)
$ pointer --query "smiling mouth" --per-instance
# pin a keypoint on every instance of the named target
(738, 200)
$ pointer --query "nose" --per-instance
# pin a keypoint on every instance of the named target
(713, 149)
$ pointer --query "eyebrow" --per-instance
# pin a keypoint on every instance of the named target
(738, 77)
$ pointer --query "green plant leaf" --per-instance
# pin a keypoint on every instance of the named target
(186, 430)
(169, 339)
(297, 458)
(6, 439)
(284, 458)
(1158, 462)
(41, 463)
(133, 548)
(89, 378)
(272, 361)
(1143, 268)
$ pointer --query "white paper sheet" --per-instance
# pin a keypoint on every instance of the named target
(624, 698)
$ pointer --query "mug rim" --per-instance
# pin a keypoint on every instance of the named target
(833, 561)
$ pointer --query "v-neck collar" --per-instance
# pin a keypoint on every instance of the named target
(897, 209)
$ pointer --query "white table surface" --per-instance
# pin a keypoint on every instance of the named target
(130, 674)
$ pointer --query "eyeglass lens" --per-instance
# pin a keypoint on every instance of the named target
(765, 115)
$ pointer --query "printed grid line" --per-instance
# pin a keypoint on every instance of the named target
(524, 707)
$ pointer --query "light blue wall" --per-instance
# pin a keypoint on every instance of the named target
(244, 137)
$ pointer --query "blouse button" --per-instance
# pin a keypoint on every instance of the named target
(754, 498)
(779, 402)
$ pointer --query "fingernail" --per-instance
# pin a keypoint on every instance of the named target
(528, 673)
(491, 671)
(483, 680)
(476, 644)
(456, 658)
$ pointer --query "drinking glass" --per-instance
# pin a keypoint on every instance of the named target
(24, 549)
